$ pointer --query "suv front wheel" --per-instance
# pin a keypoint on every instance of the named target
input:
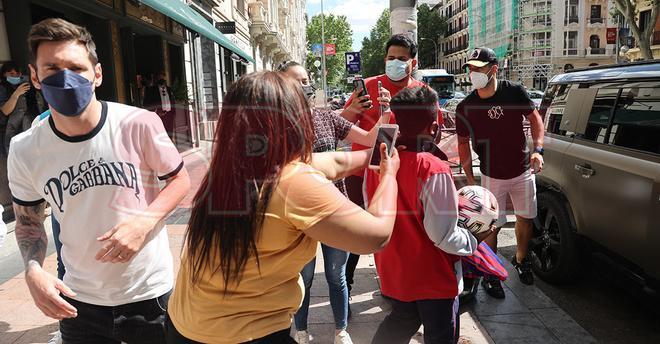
(553, 249)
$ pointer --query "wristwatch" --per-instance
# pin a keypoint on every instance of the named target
(539, 150)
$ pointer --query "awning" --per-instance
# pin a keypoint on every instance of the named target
(182, 13)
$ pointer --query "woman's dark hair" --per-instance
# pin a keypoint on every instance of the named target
(286, 65)
(265, 123)
(400, 40)
(415, 109)
(8, 67)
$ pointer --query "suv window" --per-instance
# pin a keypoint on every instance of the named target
(636, 121)
(599, 117)
(552, 107)
(547, 99)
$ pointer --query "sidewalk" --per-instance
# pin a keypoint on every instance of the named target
(525, 316)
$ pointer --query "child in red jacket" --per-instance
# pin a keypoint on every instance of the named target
(420, 269)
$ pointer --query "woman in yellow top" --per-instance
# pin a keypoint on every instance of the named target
(259, 214)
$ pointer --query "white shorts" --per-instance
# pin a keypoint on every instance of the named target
(522, 190)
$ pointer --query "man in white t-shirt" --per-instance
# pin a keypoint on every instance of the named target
(98, 165)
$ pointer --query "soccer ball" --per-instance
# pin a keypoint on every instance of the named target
(477, 208)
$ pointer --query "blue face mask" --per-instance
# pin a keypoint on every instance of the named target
(14, 80)
(396, 69)
(67, 92)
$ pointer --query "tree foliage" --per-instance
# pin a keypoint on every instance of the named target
(430, 26)
(337, 31)
(630, 10)
(373, 47)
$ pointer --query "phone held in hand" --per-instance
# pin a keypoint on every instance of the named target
(360, 87)
(387, 134)
(381, 108)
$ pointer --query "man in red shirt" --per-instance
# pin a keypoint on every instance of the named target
(400, 62)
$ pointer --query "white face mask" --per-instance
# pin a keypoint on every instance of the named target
(396, 70)
(480, 80)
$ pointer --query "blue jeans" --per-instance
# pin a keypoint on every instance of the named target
(335, 274)
(58, 247)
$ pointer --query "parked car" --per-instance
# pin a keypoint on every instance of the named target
(599, 192)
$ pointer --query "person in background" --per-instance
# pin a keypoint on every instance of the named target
(158, 97)
(400, 62)
(20, 103)
(329, 129)
(259, 214)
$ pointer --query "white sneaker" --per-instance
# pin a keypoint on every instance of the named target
(302, 337)
(343, 338)
(57, 338)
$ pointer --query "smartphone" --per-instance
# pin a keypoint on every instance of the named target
(387, 134)
(381, 108)
(360, 87)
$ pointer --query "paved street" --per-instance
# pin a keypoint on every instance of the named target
(598, 304)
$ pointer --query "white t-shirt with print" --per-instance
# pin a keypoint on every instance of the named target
(93, 183)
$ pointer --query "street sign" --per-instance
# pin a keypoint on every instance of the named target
(317, 63)
(330, 49)
(226, 27)
(317, 49)
(353, 64)
(611, 35)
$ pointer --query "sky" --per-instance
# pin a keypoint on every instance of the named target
(362, 15)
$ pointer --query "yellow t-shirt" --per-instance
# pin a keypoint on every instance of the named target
(263, 303)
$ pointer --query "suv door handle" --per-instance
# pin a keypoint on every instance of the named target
(585, 169)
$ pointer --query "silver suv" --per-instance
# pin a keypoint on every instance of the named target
(600, 189)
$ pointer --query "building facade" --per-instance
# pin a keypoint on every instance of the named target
(554, 36)
(279, 31)
(536, 39)
(270, 31)
(454, 46)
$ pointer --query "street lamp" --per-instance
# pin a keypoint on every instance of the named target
(435, 64)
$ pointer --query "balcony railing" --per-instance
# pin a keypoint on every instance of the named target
(596, 51)
(458, 10)
(541, 22)
(596, 20)
(456, 49)
(570, 20)
(457, 29)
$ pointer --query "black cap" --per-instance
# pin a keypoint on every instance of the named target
(481, 57)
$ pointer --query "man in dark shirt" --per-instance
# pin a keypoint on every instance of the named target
(492, 118)
(159, 98)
